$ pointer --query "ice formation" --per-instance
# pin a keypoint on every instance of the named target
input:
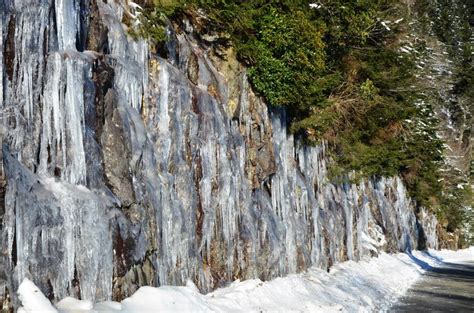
(124, 169)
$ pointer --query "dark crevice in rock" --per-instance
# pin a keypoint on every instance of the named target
(97, 32)
(84, 13)
(9, 49)
(103, 77)
(48, 290)
(76, 284)
(14, 256)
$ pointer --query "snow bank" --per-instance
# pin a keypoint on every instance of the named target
(33, 299)
(363, 286)
(454, 256)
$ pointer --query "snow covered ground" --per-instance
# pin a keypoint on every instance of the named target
(363, 286)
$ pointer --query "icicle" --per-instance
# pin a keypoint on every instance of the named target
(66, 23)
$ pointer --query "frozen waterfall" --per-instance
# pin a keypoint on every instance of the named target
(125, 169)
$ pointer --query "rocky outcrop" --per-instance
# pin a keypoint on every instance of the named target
(126, 169)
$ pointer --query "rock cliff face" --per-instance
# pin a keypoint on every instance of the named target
(123, 169)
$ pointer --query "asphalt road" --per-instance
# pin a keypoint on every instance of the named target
(449, 288)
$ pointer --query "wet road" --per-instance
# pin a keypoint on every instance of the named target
(449, 288)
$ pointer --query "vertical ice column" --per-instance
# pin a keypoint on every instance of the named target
(22, 74)
(363, 241)
(53, 119)
(349, 206)
(430, 224)
(62, 141)
(284, 191)
(405, 215)
(74, 117)
(67, 23)
(313, 176)
(131, 77)
(163, 118)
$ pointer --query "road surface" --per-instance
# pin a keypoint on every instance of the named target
(448, 288)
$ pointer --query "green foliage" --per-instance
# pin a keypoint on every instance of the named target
(152, 20)
(368, 90)
(285, 69)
